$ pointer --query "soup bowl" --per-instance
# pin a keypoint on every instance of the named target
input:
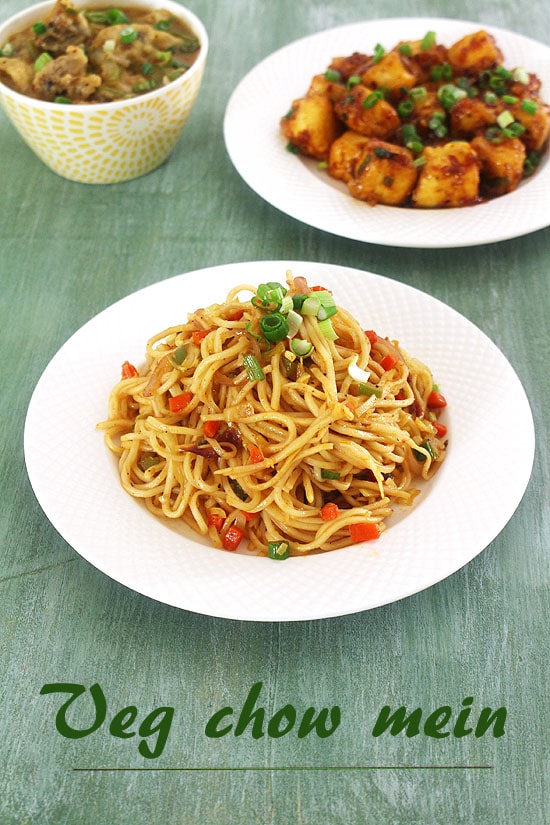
(113, 141)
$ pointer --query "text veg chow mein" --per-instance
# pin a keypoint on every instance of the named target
(276, 423)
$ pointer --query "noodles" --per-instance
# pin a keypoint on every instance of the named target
(232, 432)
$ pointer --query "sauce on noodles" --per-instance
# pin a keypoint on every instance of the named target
(278, 421)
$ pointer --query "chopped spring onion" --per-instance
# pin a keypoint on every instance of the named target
(529, 106)
(379, 52)
(329, 474)
(274, 327)
(327, 330)
(520, 76)
(332, 75)
(286, 304)
(353, 80)
(311, 306)
(7, 50)
(449, 94)
(406, 49)
(128, 35)
(418, 92)
(505, 119)
(372, 99)
(253, 368)
(357, 373)
(278, 550)
(405, 108)
(41, 61)
(427, 41)
(39, 28)
(294, 321)
(301, 347)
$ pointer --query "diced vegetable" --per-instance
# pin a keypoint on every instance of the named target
(210, 428)
(329, 511)
(278, 550)
(255, 454)
(388, 362)
(364, 531)
(177, 403)
(128, 370)
(436, 400)
(232, 538)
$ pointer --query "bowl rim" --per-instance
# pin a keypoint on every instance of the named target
(27, 16)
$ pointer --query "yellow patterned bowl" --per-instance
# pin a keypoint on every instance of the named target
(106, 142)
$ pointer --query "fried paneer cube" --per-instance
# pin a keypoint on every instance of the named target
(384, 173)
(449, 177)
(390, 72)
(344, 154)
(536, 124)
(367, 111)
(312, 125)
(472, 114)
(474, 53)
(501, 164)
(421, 58)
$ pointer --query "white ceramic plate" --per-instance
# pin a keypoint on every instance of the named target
(294, 184)
(457, 515)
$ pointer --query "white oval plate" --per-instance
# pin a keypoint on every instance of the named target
(294, 185)
(457, 515)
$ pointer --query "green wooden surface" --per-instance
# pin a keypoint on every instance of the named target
(68, 251)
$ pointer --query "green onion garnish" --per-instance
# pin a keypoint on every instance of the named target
(529, 106)
(310, 306)
(427, 41)
(505, 119)
(253, 368)
(405, 108)
(379, 53)
(406, 49)
(278, 550)
(128, 35)
(274, 327)
(294, 321)
(41, 61)
(372, 99)
(327, 330)
(332, 75)
(300, 347)
(61, 99)
(39, 28)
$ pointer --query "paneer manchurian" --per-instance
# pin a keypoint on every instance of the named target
(423, 125)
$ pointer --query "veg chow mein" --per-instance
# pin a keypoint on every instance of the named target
(273, 421)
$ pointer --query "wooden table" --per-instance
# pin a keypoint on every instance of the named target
(70, 250)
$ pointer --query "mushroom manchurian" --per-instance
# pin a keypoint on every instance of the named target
(98, 56)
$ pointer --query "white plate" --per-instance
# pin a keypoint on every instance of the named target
(465, 506)
(294, 184)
